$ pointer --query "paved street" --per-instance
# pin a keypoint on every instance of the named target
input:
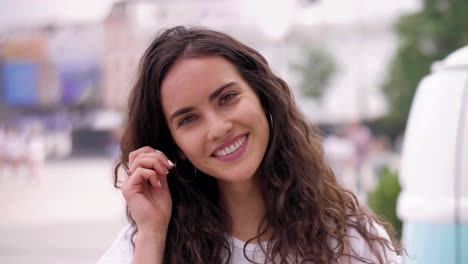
(71, 216)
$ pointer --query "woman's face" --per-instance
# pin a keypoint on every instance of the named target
(215, 118)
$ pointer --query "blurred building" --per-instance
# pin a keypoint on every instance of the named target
(25, 69)
(361, 43)
(61, 64)
(51, 75)
(123, 47)
(79, 75)
(131, 25)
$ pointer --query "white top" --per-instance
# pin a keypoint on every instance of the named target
(121, 250)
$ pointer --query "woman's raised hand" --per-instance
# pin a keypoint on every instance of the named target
(146, 190)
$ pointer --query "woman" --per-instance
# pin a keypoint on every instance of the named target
(224, 168)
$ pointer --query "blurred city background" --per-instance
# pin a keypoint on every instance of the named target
(66, 69)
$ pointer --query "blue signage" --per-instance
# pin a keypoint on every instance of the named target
(20, 81)
(79, 82)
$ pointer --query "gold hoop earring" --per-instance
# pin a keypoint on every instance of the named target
(178, 166)
(271, 120)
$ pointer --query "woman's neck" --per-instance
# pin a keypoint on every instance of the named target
(245, 205)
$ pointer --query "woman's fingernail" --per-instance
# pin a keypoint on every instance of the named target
(170, 163)
(166, 170)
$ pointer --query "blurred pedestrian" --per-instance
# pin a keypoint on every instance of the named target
(362, 138)
(114, 142)
(36, 152)
(14, 150)
(2, 158)
(339, 152)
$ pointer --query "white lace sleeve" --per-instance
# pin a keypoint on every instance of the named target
(360, 247)
(121, 250)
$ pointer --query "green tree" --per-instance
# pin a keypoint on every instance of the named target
(383, 200)
(427, 36)
(316, 71)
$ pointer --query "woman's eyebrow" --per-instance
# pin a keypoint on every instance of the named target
(218, 91)
(181, 112)
(212, 96)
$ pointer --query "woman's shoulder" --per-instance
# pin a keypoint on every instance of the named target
(121, 250)
(360, 247)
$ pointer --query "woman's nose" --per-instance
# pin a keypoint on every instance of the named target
(219, 127)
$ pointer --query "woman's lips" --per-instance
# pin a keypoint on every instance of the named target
(233, 149)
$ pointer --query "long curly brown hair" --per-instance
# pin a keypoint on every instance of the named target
(305, 206)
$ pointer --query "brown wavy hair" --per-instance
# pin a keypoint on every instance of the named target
(305, 206)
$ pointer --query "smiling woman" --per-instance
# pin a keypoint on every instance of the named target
(217, 126)
(207, 108)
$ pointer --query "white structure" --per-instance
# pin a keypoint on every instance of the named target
(434, 166)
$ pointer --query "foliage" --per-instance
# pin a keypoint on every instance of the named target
(438, 29)
(383, 199)
(316, 72)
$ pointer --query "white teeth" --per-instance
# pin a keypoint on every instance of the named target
(229, 149)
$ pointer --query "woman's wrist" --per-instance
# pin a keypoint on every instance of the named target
(149, 247)
(150, 236)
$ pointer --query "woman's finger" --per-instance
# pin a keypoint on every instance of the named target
(163, 180)
(150, 162)
(149, 151)
(138, 178)
(134, 154)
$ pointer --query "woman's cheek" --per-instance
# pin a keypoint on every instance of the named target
(191, 144)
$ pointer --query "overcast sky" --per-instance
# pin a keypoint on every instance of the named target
(14, 12)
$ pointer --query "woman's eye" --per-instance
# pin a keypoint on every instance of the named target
(226, 98)
(186, 120)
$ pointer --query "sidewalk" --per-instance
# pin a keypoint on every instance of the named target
(72, 216)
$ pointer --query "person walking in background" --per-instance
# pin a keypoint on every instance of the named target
(14, 151)
(113, 147)
(362, 139)
(339, 152)
(36, 152)
(222, 166)
(2, 147)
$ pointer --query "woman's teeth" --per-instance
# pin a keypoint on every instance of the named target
(230, 149)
